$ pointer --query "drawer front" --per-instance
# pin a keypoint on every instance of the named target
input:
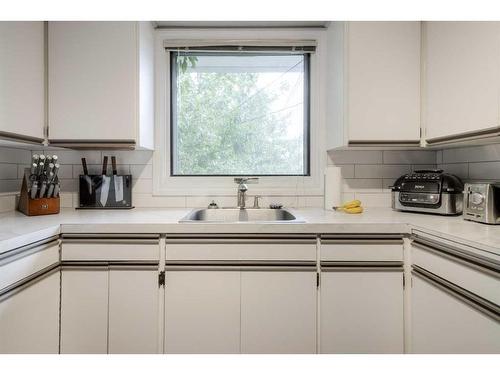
(110, 250)
(362, 251)
(221, 250)
(25, 262)
(476, 279)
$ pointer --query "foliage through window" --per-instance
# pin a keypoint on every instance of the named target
(239, 113)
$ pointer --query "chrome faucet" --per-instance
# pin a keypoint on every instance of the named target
(242, 188)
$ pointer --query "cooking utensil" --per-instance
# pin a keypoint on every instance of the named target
(34, 189)
(106, 181)
(118, 181)
(57, 188)
(42, 189)
(87, 177)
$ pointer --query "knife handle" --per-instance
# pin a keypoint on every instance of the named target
(104, 165)
(42, 189)
(57, 187)
(113, 163)
(50, 190)
(84, 165)
(34, 189)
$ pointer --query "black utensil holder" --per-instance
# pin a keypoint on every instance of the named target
(90, 190)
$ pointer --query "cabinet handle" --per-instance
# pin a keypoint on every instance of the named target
(478, 263)
(21, 252)
(480, 304)
(28, 281)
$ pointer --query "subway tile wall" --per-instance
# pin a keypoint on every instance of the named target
(366, 175)
(471, 163)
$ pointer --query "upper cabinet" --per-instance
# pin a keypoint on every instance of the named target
(374, 84)
(101, 84)
(22, 81)
(462, 81)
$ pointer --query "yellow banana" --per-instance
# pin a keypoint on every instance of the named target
(350, 204)
(354, 210)
(351, 207)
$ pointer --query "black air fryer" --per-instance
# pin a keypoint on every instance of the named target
(429, 191)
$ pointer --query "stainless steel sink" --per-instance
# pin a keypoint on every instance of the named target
(234, 215)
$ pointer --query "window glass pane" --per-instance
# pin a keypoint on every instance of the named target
(239, 114)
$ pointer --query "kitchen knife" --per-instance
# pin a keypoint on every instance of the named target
(57, 188)
(42, 189)
(50, 189)
(103, 198)
(118, 181)
(34, 189)
(86, 174)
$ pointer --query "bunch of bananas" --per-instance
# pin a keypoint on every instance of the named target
(351, 207)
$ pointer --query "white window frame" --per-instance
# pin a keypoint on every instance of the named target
(165, 184)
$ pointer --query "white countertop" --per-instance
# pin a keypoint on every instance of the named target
(18, 230)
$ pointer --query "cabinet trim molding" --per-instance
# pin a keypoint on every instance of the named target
(18, 137)
(480, 304)
(84, 144)
(28, 281)
(489, 133)
(482, 264)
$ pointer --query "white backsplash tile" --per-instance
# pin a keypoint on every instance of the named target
(132, 157)
(380, 170)
(356, 157)
(8, 171)
(368, 185)
(147, 200)
(374, 199)
(141, 171)
(459, 169)
(14, 155)
(366, 174)
(486, 170)
(472, 154)
(409, 157)
(142, 185)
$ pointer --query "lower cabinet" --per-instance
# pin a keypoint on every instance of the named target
(109, 309)
(361, 310)
(444, 323)
(134, 319)
(454, 298)
(225, 309)
(84, 310)
(29, 317)
(278, 311)
(202, 311)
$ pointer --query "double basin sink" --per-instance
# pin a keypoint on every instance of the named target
(235, 215)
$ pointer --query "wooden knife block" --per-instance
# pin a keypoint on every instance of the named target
(37, 206)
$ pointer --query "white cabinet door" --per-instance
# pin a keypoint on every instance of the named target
(442, 323)
(361, 311)
(22, 79)
(383, 81)
(93, 81)
(29, 318)
(84, 310)
(462, 77)
(134, 322)
(278, 311)
(202, 311)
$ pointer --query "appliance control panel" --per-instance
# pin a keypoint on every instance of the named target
(422, 198)
(476, 198)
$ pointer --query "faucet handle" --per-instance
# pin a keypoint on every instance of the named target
(246, 180)
(256, 201)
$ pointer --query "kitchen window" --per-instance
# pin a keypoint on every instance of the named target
(239, 102)
(242, 112)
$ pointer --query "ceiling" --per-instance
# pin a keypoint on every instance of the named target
(239, 24)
